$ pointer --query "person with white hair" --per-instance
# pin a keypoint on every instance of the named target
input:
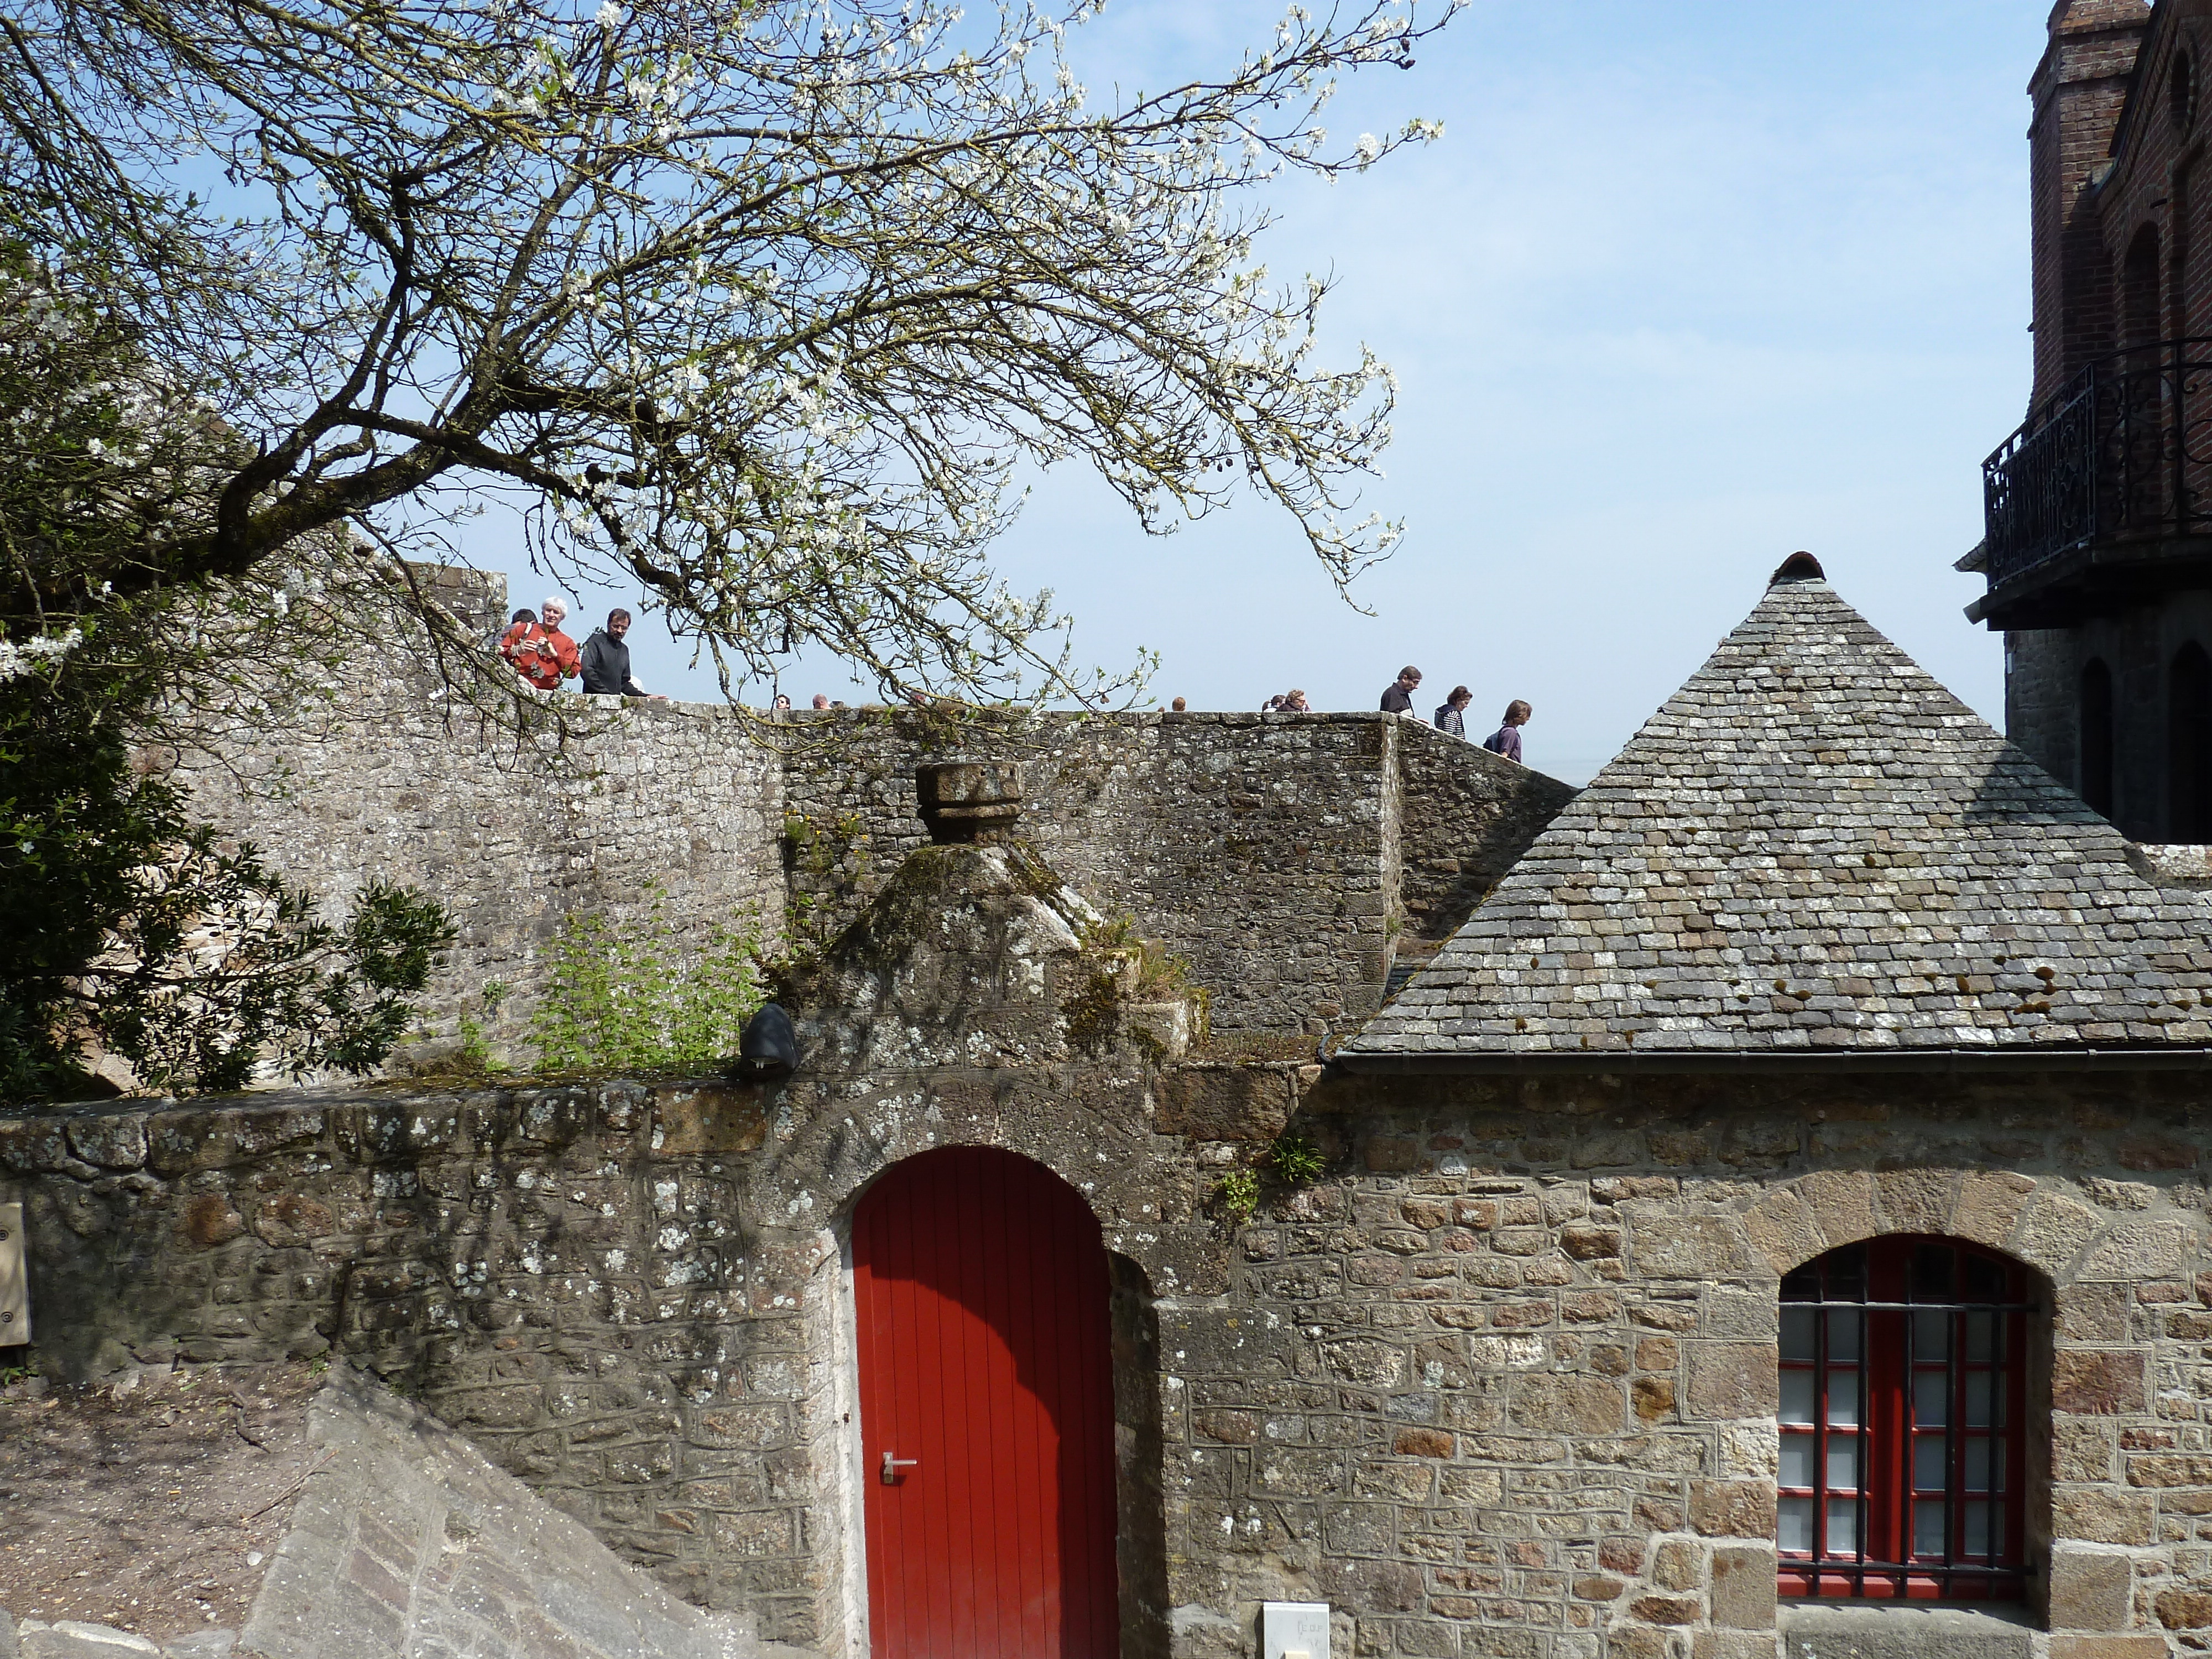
(542, 654)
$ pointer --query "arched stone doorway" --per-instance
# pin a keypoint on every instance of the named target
(981, 1291)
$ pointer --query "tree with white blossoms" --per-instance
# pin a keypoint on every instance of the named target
(764, 307)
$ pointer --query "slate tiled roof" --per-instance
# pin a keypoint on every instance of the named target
(1814, 846)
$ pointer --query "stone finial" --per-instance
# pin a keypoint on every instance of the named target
(969, 800)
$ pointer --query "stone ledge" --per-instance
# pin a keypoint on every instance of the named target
(2183, 867)
(1901, 1630)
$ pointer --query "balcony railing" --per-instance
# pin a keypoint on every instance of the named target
(2124, 453)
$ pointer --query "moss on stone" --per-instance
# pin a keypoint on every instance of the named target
(1093, 1013)
(1031, 873)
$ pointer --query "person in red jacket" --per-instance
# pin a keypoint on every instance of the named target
(540, 652)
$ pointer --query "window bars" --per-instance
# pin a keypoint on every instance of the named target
(1904, 1424)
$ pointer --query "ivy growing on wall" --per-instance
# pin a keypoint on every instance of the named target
(827, 868)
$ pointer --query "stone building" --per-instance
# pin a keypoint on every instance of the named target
(1778, 1214)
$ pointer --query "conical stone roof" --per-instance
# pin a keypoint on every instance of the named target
(1813, 845)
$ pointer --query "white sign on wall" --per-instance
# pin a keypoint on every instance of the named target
(15, 1282)
(1294, 1629)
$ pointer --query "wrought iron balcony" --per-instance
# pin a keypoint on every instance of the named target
(2115, 473)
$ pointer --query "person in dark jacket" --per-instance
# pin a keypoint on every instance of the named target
(1397, 696)
(1451, 716)
(606, 662)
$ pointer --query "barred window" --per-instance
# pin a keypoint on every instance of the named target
(1903, 1422)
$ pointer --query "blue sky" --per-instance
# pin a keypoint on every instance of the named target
(1682, 289)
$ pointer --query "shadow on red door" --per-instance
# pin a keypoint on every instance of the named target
(979, 1287)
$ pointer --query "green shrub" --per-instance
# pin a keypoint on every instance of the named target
(651, 995)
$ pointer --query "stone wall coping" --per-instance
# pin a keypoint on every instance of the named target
(416, 1094)
(403, 1092)
(866, 713)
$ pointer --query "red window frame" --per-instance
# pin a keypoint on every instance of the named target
(1903, 1422)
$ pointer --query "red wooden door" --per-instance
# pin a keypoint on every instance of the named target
(978, 1280)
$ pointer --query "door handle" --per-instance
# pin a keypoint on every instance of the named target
(893, 1465)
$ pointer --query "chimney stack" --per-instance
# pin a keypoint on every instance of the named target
(969, 800)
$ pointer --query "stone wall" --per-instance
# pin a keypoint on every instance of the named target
(404, 1540)
(1263, 850)
(1503, 1383)
(1465, 816)
(2043, 673)
(1542, 1318)
(2137, 644)
(514, 834)
(1255, 847)
(565, 1275)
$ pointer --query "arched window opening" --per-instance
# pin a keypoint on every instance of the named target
(2097, 737)
(2181, 91)
(2189, 746)
(2139, 285)
(2139, 481)
(1904, 1424)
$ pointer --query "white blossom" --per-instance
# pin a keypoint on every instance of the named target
(36, 652)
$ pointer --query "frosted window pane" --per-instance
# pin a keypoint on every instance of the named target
(1978, 1400)
(1928, 1527)
(1978, 1466)
(1929, 1408)
(1844, 1335)
(1977, 1528)
(1844, 1397)
(1931, 1337)
(1843, 1461)
(1843, 1526)
(1797, 1397)
(1927, 1462)
(1797, 1329)
(1981, 1339)
(1795, 1530)
(1796, 1460)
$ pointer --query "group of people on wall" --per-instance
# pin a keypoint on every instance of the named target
(545, 656)
(1451, 713)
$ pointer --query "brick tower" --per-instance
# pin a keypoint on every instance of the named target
(2098, 545)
